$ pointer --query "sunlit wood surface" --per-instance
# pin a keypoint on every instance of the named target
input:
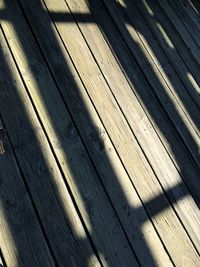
(100, 111)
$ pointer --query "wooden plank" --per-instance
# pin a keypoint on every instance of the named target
(94, 206)
(180, 27)
(58, 216)
(155, 79)
(145, 133)
(104, 105)
(21, 240)
(170, 51)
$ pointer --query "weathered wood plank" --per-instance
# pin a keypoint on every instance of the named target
(21, 240)
(95, 208)
(89, 68)
(170, 51)
(58, 216)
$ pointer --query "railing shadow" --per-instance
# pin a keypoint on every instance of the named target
(68, 249)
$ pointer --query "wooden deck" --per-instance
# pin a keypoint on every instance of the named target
(100, 102)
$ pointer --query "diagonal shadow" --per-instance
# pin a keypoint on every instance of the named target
(75, 97)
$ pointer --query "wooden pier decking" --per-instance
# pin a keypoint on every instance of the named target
(100, 103)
